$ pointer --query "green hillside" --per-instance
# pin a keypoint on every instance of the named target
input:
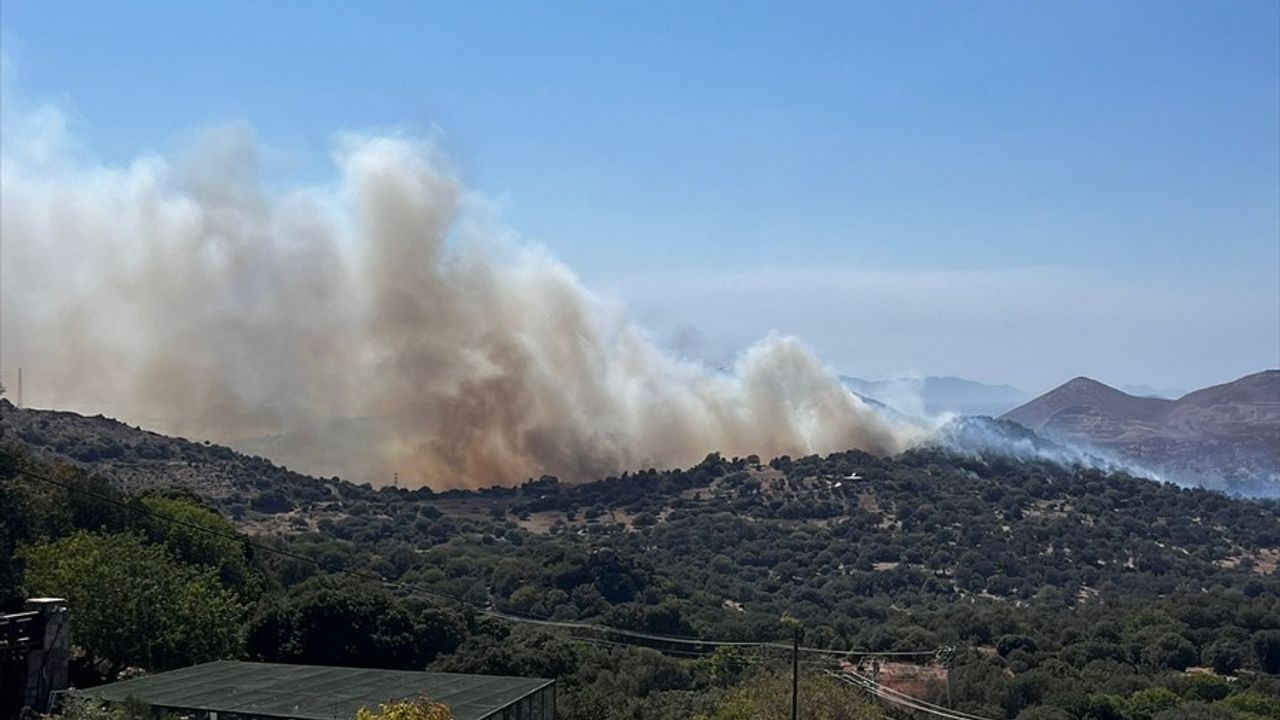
(1061, 592)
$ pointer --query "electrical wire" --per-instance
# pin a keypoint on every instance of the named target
(899, 698)
(668, 651)
(905, 696)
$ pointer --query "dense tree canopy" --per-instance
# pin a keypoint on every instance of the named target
(1066, 592)
(133, 603)
(327, 622)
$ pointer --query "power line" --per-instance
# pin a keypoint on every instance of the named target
(482, 610)
(904, 696)
(745, 659)
(684, 640)
(875, 690)
(899, 698)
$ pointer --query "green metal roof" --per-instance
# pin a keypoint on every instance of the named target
(313, 692)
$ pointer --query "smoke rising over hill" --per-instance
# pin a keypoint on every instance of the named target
(186, 296)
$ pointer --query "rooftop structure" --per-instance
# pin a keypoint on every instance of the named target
(228, 690)
(34, 647)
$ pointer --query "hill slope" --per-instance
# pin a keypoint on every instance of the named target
(1044, 575)
(1228, 433)
(140, 461)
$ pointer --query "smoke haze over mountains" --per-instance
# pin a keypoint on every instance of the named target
(185, 296)
(381, 321)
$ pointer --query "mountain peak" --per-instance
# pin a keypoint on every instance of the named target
(1226, 430)
(1081, 386)
(1084, 393)
(1084, 381)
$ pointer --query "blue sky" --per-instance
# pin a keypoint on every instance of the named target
(1015, 192)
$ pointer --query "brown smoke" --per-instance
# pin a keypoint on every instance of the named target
(187, 297)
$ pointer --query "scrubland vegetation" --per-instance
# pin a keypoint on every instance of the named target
(1066, 592)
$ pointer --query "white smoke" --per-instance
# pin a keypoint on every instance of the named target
(983, 436)
(186, 296)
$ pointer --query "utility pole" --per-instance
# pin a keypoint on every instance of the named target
(19, 387)
(947, 655)
(795, 664)
(795, 672)
(950, 705)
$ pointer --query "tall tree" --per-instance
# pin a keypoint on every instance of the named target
(133, 603)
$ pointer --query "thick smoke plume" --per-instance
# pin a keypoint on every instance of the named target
(186, 296)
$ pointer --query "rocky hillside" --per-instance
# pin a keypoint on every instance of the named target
(1225, 435)
(137, 460)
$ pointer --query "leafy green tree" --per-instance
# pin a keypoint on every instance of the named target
(664, 618)
(1266, 648)
(203, 537)
(133, 604)
(325, 622)
(496, 650)
(1206, 688)
(1144, 704)
(1252, 705)
(1170, 650)
(1106, 707)
(1225, 656)
(15, 527)
(1008, 643)
(1196, 711)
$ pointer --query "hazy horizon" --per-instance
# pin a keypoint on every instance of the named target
(1007, 196)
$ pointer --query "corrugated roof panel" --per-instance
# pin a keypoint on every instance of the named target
(314, 692)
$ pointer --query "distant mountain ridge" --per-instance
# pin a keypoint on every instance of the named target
(1229, 431)
(1144, 390)
(940, 394)
(138, 460)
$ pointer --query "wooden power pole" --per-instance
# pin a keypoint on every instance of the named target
(947, 655)
(795, 665)
(795, 672)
